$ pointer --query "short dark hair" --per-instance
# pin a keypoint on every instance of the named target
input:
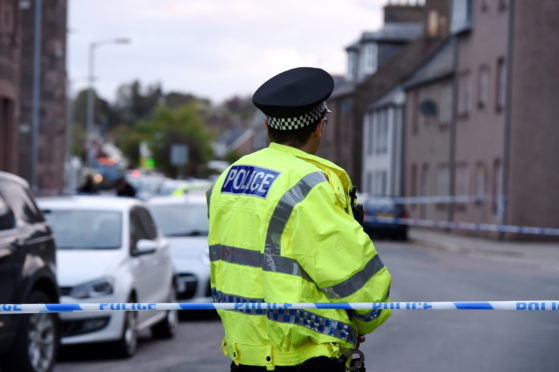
(297, 137)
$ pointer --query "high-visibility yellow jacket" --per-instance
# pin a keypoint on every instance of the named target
(282, 230)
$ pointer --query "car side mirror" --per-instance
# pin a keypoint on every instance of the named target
(145, 246)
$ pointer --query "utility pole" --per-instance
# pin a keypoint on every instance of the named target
(36, 96)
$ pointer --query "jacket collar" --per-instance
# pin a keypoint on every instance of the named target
(322, 163)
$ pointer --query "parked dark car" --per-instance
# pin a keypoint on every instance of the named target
(28, 343)
(379, 215)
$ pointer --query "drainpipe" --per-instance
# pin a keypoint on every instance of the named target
(452, 134)
(36, 96)
(504, 198)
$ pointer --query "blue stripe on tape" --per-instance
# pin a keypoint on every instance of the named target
(191, 306)
(338, 305)
(473, 306)
(63, 308)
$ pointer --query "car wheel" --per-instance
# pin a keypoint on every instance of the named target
(167, 327)
(36, 343)
(128, 343)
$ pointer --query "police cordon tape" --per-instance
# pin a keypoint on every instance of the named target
(465, 225)
(532, 305)
(442, 199)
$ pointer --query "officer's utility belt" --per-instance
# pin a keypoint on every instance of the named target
(268, 356)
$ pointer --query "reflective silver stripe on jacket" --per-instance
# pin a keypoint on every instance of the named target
(208, 197)
(357, 281)
(247, 257)
(303, 318)
(272, 260)
(283, 210)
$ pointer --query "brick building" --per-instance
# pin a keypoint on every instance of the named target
(52, 132)
(411, 34)
(10, 44)
(500, 148)
(429, 116)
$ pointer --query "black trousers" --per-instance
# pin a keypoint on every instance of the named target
(319, 364)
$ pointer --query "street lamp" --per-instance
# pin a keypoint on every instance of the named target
(90, 98)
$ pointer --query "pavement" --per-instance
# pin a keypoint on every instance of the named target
(547, 251)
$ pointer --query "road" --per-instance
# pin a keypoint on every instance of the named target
(410, 341)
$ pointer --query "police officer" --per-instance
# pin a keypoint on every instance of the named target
(282, 230)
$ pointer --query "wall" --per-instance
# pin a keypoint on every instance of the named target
(480, 118)
(9, 92)
(52, 132)
(534, 112)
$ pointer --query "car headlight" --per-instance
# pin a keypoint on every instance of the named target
(96, 288)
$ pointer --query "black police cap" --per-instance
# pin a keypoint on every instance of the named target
(294, 98)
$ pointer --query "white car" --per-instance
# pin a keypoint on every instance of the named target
(109, 250)
(184, 222)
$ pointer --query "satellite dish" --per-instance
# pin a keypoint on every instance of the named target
(428, 108)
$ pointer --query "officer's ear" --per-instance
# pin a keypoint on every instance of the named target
(319, 128)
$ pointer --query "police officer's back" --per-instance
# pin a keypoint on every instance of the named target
(282, 230)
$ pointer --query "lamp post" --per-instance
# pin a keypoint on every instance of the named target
(90, 113)
(36, 95)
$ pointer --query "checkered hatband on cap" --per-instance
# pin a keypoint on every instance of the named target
(299, 121)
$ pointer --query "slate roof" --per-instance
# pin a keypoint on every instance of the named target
(439, 66)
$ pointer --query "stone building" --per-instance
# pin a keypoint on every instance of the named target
(52, 130)
(429, 114)
(500, 147)
(10, 44)
(386, 58)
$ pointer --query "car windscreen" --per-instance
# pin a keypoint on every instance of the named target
(181, 219)
(83, 229)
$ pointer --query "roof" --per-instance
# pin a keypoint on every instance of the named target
(394, 32)
(394, 97)
(390, 32)
(342, 87)
(441, 65)
(231, 136)
(397, 69)
(89, 202)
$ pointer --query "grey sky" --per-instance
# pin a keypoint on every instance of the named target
(213, 48)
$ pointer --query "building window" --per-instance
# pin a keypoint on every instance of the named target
(445, 105)
(497, 185)
(483, 87)
(380, 183)
(415, 112)
(462, 179)
(424, 180)
(381, 132)
(503, 5)
(352, 65)
(462, 16)
(443, 179)
(413, 180)
(369, 120)
(369, 182)
(481, 181)
(370, 58)
(501, 84)
(464, 94)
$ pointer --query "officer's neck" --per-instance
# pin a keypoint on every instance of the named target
(310, 147)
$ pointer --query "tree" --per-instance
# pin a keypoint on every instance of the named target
(136, 103)
(181, 126)
(185, 126)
